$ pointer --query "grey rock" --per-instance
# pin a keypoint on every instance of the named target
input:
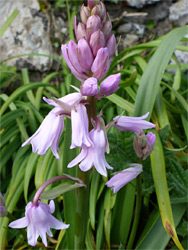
(125, 28)
(140, 3)
(179, 13)
(129, 40)
(139, 29)
(26, 34)
(159, 12)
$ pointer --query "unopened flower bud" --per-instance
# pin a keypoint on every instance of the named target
(3, 211)
(151, 139)
(85, 56)
(90, 87)
(143, 144)
(107, 29)
(93, 24)
(110, 85)
(84, 13)
(96, 10)
(111, 45)
(97, 41)
(101, 63)
(103, 12)
(81, 32)
(92, 3)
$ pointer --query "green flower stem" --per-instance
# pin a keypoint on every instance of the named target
(137, 213)
(82, 206)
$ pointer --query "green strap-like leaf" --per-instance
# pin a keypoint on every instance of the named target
(20, 91)
(59, 190)
(161, 187)
(152, 76)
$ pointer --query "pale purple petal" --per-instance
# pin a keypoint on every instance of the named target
(88, 161)
(123, 177)
(20, 223)
(52, 206)
(134, 124)
(80, 127)
(56, 224)
(78, 159)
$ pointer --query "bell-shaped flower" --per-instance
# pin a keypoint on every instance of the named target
(134, 124)
(122, 178)
(89, 87)
(143, 144)
(3, 211)
(101, 63)
(109, 85)
(79, 119)
(97, 41)
(95, 155)
(38, 220)
(48, 134)
(80, 127)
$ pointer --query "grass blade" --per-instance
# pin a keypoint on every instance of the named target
(161, 187)
(8, 22)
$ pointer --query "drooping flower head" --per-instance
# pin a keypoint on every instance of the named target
(50, 130)
(94, 155)
(39, 220)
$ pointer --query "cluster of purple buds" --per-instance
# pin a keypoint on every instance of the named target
(91, 57)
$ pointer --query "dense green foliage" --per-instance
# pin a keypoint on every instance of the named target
(148, 83)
